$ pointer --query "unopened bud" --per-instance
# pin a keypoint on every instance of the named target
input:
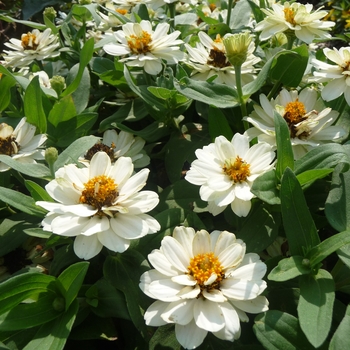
(51, 155)
(50, 13)
(236, 46)
(58, 83)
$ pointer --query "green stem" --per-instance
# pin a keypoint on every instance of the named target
(242, 102)
(172, 10)
(274, 90)
(290, 42)
(229, 10)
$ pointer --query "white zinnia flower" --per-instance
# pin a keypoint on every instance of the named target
(146, 48)
(118, 145)
(309, 122)
(297, 18)
(208, 58)
(34, 45)
(100, 205)
(337, 76)
(21, 144)
(226, 171)
(204, 283)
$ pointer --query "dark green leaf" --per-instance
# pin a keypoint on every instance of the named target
(265, 188)
(218, 124)
(164, 338)
(62, 110)
(316, 306)
(341, 339)
(289, 268)
(299, 226)
(309, 176)
(6, 83)
(37, 192)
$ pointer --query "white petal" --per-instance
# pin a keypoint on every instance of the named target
(232, 324)
(162, 264)
(129, 226)
(231, 255)
(189, 292)
(180, 312)
(153, 314)
(240, 207)
(99, 165)
(112, 241)
(185, 235)
(254, 306)
(201, 243)
(175, 254)
(254, 271)
(241, 289)
(190, 336)
(185, 280)
(208, 315)
(86, 247)
(165, 290)
(214, 295)
(68, 225)
(96, 224)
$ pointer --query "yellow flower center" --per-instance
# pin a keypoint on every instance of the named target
(289, 15)
(202, 266)
(122, 11)
(100, 191)
(29, 41)
(294, 113)
(237, 169)
(139, 44)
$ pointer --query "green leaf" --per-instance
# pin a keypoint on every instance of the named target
(218, 124)
(34, 170)
(218, 95)
(299, 226)
(26, 23)
(37, 192)
(315, 306)
(278, 330)
(70, 281)
(164, 338)
(241, 15)
(341, 339)
(160, 92)
(265, 188)
(53, 335)
(289, 268)
(289, 69)
(18, 288)
(123, 272)
(320, 252)
(6, 83)
(337, 208)
(62, 110)
(285, 157)
(85, 57)
(72, 153)
(309, 176)
(33, 106)
(21, 202)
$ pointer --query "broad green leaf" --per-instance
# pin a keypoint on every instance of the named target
(27, 315)
(123, 271)
(62, 110)
(164, 337)
(218, 124)
(341, 339)
(21, 202)
(53, 335)
(265, 188)
(33, 106)
(289, 69)
(289, 268)
(278, 330)
(241, 15)
(316, 306)
(37, 232)
(309, 176)
(26, 23)
(344, 254)
(161, 92)
(298, 224)
(85, 56)
(320, 252)
(6, 83)
(218, 95)
(75, 150)
(34, 170)
(18, 288)
(337, 208)
(285, 157)
(70, 280)
(37, 192)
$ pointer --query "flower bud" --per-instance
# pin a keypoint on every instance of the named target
(236, 46)
(58, 84)
(50, 13)
(51, 155)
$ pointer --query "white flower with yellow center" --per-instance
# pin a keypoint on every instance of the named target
(296, 18)
(204, 283)
(208, 59)
(34, 45)
(145, 48)
(100, 205)
(226, 171)
(21, 144)
(309, 122)
(337, 76)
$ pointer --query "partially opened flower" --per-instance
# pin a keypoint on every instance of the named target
(203, 283)
(226, 171)
(100, 205)
(309, 122)
(209, 58)
(337, 75)
(21, 143)
(34, 45)
(146, 48)
(295, 18)
(118, 145)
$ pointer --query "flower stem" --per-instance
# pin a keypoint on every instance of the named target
(172, 8)
(242, 102)
(229, 10)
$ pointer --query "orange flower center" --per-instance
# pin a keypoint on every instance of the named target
(29, 41)
(139, 44)
(295, 113)
(237, 169)
(122, 11)
(100, 191)
(289, 15)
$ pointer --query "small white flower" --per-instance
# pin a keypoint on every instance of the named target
(146, 48)
(226, 171)
(21, 144)
(44, 79)
(337, 76)
(310, 123)
(34, 45)
(118, 145)
(204, 283)
(297, 18)
(100, 205)
(208, 59)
